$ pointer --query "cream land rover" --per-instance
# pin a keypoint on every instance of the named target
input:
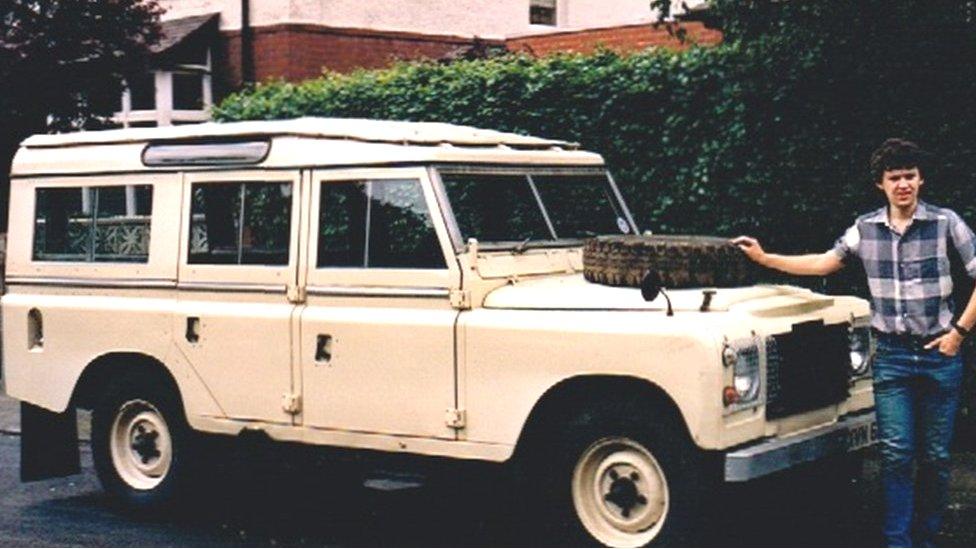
(411, 288)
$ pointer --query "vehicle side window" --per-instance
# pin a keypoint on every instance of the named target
(93, 224)
(240, 223)
(380, 223)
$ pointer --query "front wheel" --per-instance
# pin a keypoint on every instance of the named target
(618, 475)
(620, 492)
(141, 444)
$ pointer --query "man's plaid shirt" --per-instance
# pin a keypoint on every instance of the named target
(908, 274)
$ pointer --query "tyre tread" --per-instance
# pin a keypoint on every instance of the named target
(680, 261)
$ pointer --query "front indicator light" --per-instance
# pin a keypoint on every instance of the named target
(730, 396)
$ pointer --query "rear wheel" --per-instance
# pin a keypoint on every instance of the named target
(141, 444)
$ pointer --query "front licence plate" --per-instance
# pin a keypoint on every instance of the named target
(862, 436)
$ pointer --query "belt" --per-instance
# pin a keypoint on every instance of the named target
(911, 341)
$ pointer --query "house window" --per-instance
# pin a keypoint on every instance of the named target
(542, 12)
(178, 93)
(142, 92)
(188, 91)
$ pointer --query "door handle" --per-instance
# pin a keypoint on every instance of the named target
(193, 329)
(35, 330)
(323, 348)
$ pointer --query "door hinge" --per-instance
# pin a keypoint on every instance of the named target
(296, 294)
(461, 299)
(291, 403)
(456, 419)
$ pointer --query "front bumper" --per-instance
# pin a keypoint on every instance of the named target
(850, 433)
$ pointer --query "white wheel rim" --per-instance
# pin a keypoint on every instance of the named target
(141, 445)
(620, 493)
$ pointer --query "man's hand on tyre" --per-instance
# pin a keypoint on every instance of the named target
(750, 246)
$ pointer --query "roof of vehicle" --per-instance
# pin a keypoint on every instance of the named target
(310, 141)
(378, 131)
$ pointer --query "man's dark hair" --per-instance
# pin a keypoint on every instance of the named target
(896, 154)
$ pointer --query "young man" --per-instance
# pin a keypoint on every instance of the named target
(917, 369)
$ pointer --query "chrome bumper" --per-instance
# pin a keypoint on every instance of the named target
(850, 433)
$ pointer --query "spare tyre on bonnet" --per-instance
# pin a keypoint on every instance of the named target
(678, 261)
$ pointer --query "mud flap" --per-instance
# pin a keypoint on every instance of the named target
(48, 443)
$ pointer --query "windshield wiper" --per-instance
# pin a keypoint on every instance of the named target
(520, 248)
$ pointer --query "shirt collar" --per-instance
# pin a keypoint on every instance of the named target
(923, 212)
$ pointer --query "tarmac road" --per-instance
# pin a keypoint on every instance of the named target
(260, 505)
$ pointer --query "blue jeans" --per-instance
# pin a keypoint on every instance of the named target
(916, 394)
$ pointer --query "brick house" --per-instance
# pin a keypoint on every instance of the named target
(212, 47)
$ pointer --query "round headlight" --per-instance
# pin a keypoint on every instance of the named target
(746, 385)
(860, 340)
(859, 362)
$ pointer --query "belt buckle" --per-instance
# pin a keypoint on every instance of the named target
(919, 342)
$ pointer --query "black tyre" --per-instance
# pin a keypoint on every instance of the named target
(678, 261)
(141, 444)
(621, 475)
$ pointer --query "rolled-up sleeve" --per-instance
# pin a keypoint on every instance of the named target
(847, 245)
(964, 241)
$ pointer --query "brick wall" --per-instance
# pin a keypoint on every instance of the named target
(299, 51)
(628, 38)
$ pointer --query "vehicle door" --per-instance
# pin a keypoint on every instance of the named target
(377, 333)
(238, 269)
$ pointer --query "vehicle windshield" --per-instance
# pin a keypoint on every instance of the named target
(512, 208)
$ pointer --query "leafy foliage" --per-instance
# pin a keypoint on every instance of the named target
(67, 58)
(62, 63)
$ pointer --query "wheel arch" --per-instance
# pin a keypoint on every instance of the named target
(570, 395)
(108, 368)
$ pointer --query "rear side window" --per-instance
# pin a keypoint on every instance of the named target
(93, 224)
(379, 224)
(240, 224)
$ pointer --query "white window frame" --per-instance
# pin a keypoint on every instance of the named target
(164, 114)
(555, 5)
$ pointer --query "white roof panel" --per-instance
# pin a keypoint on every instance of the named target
(377, 131)
(303, 142)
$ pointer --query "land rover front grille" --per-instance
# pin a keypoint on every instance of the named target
(807, 369)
